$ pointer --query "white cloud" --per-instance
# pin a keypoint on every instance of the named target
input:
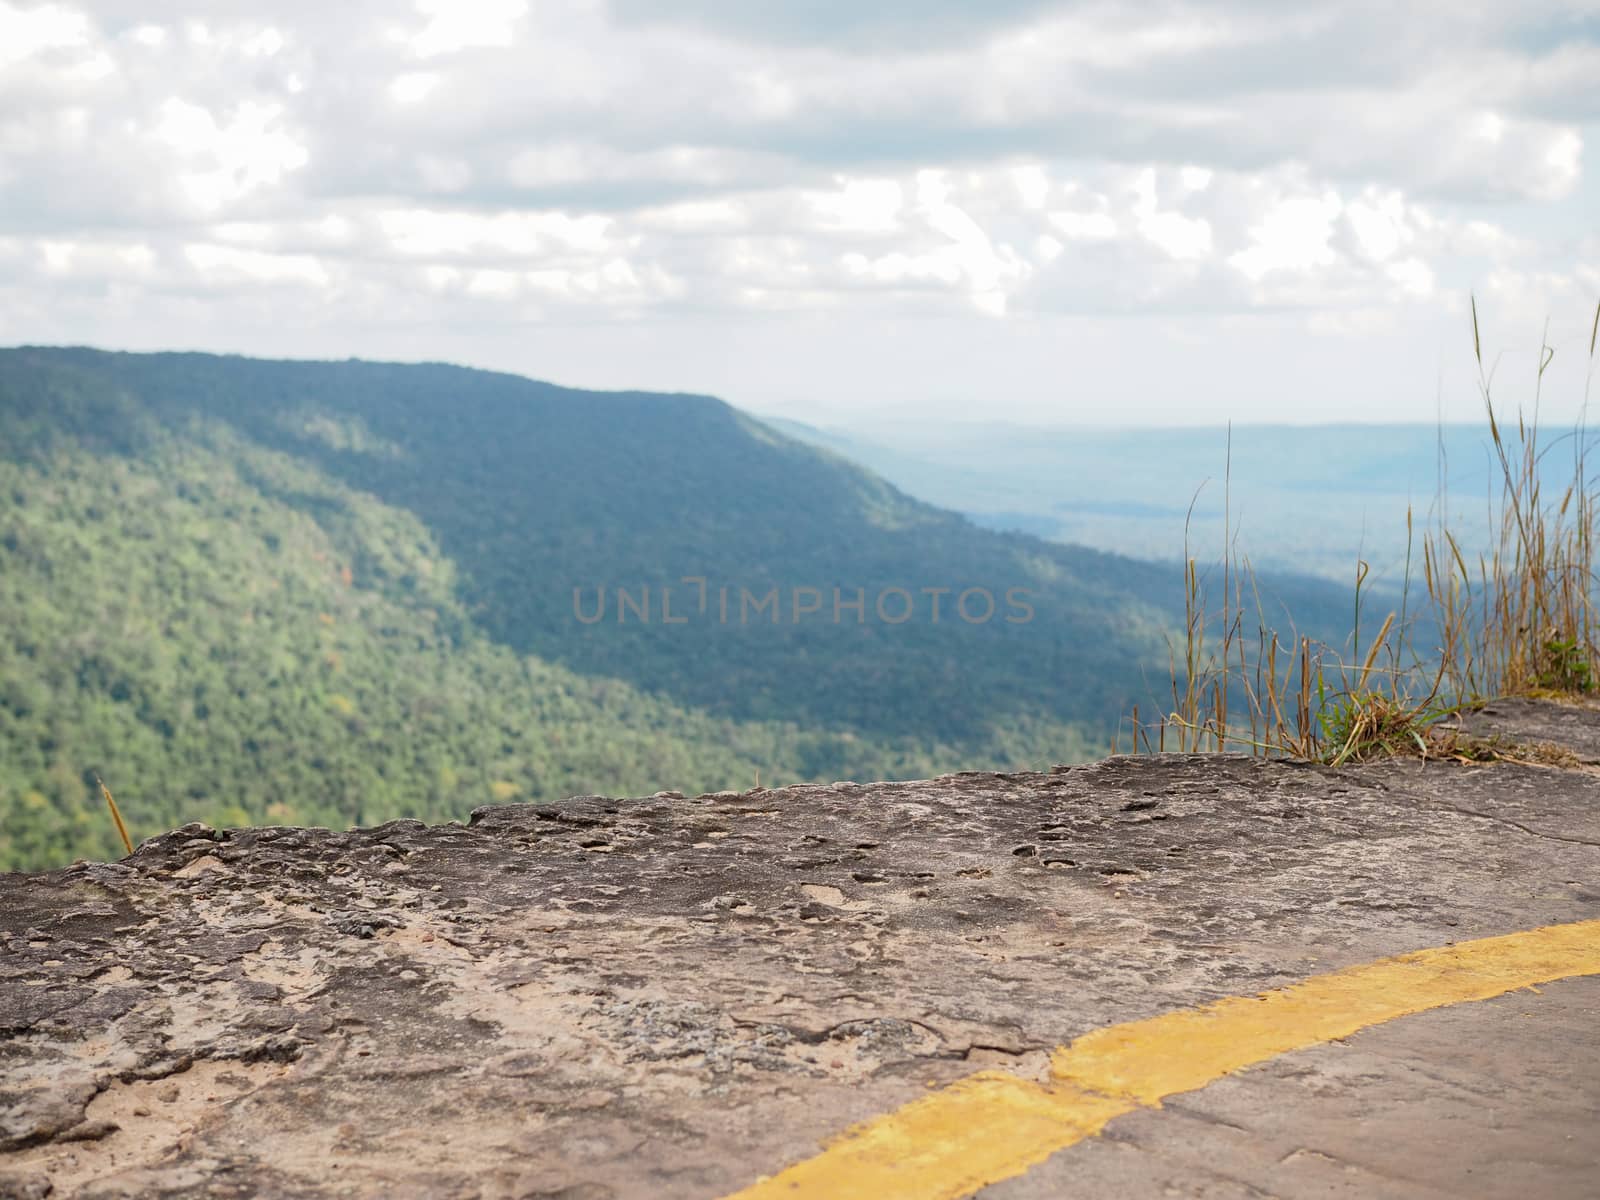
(229, 265)
(858, 206)
(1180, 236)
(29, 32)
(663, 169)
(95, 262)
(1294, 235)
(1090, 226)
(462, 24)
(429, 233)
(1378, 222)
(225, 159)
(413, 86)
(1412, 276)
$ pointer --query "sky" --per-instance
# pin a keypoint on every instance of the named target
(905, 211)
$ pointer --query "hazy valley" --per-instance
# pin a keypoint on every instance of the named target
(1312, 500)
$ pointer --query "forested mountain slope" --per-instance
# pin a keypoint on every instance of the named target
(341, 592)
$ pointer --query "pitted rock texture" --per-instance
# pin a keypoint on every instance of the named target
(668, 997)
(1572, 726)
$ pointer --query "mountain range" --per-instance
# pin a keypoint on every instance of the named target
(246, 591)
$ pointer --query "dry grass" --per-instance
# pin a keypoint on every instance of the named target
(1521, 617)
(116, 814)
(1516, 619)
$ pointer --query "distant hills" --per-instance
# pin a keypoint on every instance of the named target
(1312, 500)
(333, 593)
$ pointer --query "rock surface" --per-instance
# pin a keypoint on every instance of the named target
(669, 997)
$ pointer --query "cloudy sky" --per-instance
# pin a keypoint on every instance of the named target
(1036, 210)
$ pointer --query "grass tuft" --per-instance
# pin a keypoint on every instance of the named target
(1515, 619)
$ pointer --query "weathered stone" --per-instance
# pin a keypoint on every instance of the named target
(1537, 722)
(669, 997)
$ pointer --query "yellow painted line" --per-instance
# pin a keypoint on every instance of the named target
(993, 1126)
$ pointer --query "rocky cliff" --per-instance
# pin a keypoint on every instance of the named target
(671, 996)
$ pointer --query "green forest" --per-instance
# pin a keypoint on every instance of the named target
(251, 592)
